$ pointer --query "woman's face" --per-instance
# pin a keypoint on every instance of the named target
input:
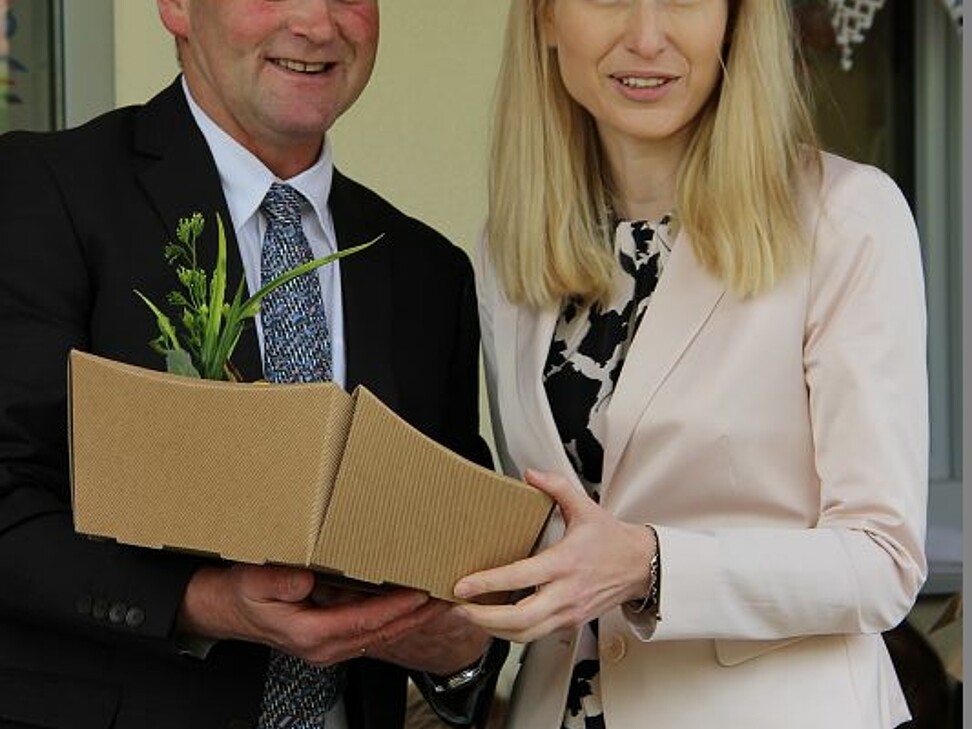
(644, 69)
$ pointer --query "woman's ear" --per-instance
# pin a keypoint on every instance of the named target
(546, 21)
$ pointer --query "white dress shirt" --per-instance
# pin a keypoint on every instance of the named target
(246, 181)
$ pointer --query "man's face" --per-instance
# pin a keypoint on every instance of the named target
(275, 74)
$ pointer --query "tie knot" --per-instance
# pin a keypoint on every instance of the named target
(282, 204)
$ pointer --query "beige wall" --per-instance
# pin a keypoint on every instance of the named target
(417, 135)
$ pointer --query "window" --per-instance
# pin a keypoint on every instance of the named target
(56, 62)
(27, 78)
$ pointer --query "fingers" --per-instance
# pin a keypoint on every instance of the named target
(531, 618)
(542, 568)
(571, 500)
(598, 564)
(367, 615)
(442, 645)
(274, 584)
(349, 630)
(522, 575)
(243, 602)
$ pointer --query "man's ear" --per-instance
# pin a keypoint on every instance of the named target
(175, 16)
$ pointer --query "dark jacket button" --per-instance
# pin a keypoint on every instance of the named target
(116, 613)
(239, 724)
(99, 609)
(83, 605)
(134, 617)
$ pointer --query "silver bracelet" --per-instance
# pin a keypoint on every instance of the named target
(654, 582)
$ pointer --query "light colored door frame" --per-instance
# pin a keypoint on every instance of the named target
(85, 57)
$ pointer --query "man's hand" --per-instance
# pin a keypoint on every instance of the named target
(273, 606)
(443, 643)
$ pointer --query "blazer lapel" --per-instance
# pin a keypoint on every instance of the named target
(366, 289)
(684, 300)
(182, 180)
(532, 331)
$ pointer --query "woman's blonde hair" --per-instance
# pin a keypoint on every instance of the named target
(550, 190)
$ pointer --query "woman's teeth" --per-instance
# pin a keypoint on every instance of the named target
(636, 82)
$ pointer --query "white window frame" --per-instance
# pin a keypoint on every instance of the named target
(939, 210)
(85, 57)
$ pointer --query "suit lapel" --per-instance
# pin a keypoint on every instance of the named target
(182, 180)
(684, 300)
(366, 290)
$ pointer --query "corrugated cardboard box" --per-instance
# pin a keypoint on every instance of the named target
(302, 474)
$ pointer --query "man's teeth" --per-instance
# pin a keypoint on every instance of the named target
(636, 82)
(300, 66)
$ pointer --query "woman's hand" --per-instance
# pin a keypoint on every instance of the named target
(600, 562)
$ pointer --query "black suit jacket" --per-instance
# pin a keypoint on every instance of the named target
(86, 627)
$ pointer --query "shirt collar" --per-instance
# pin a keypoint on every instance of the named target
(246, 179)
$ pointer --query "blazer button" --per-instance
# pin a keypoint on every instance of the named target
(134, 617)
(116, 613)
(616, 649)
(99, 609)
(84, 604)
(239, 724)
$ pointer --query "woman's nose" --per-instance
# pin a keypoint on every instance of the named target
(645, 32)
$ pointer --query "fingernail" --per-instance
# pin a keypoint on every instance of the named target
(463, 590)
(293, 583)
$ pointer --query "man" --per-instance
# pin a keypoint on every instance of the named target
(95, 634)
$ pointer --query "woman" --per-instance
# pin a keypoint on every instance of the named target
(705, 340)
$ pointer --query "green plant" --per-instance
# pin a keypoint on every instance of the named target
(210, 325)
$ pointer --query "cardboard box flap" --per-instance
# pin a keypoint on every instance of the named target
(262, 459)
(408, 511)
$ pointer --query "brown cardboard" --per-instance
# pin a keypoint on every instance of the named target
(301, 474)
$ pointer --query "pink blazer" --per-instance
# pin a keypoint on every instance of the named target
(779, 446)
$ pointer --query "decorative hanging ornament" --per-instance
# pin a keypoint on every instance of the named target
(852, 19)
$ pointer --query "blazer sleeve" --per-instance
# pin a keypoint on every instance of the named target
(48, 286)
(858, 569)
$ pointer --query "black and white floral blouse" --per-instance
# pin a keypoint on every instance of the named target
(582, 368)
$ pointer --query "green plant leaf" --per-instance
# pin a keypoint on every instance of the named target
(232, 327)
(251, 307)
(213, 367)
(166, 329)
(178, 362)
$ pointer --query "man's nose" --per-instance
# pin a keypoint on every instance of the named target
(314, 20)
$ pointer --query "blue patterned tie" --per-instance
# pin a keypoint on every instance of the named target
(297, 348)
(297, 344)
